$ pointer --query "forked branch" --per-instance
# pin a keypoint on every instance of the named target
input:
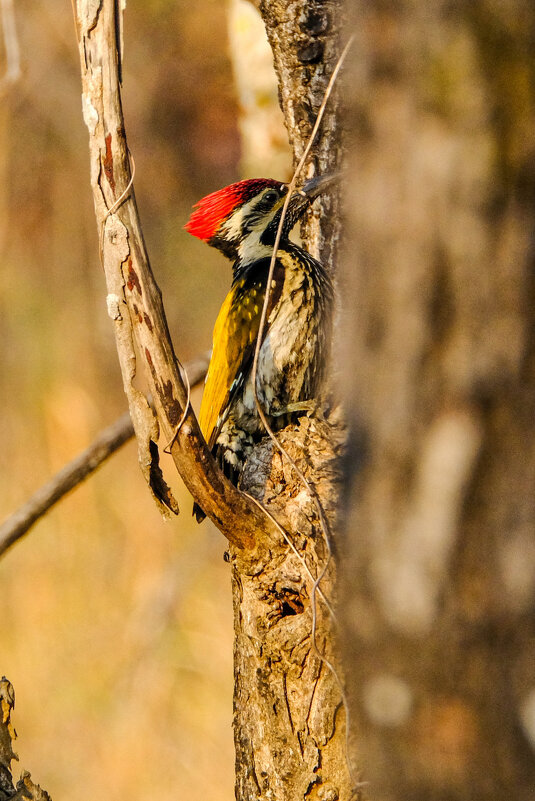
(134, 299)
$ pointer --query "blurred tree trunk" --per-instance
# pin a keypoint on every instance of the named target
(5, 114)
(440, 556)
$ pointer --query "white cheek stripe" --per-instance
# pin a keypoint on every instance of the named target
(233, 226)
(250, 248)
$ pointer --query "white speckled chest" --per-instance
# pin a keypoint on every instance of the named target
(293, 353)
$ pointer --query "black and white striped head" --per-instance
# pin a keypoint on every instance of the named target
(242, 219)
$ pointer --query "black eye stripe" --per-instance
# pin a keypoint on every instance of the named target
(264, 205)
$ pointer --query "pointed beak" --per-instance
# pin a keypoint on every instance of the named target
(305, 195)
(315, 186)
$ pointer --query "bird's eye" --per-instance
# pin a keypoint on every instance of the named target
(271, 196)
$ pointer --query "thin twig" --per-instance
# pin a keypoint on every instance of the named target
(106, 443)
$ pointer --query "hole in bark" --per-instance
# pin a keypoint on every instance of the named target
(291, 603)
(287, 609)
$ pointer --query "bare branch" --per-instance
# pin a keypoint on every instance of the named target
(106, 443)
(134, 299)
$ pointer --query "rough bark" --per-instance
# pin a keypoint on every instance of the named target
(305, 39)
(440, 561)
(289, 719)
(288, 716)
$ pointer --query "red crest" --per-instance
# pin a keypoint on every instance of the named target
(211, 210)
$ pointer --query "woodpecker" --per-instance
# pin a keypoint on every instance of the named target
(241, 221)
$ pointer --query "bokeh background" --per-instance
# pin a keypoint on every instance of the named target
(116, 627)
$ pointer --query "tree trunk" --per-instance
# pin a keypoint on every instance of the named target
(289, 719)
(304, 37)
(440, 471)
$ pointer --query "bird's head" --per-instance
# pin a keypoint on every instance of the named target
(242, 219)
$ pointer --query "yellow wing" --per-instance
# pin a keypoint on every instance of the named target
(235, 333)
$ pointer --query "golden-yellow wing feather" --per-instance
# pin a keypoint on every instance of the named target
(235, 333)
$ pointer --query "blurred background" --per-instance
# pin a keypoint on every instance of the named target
(116, 626)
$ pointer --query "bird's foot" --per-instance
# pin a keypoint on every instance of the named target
(298, 406)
